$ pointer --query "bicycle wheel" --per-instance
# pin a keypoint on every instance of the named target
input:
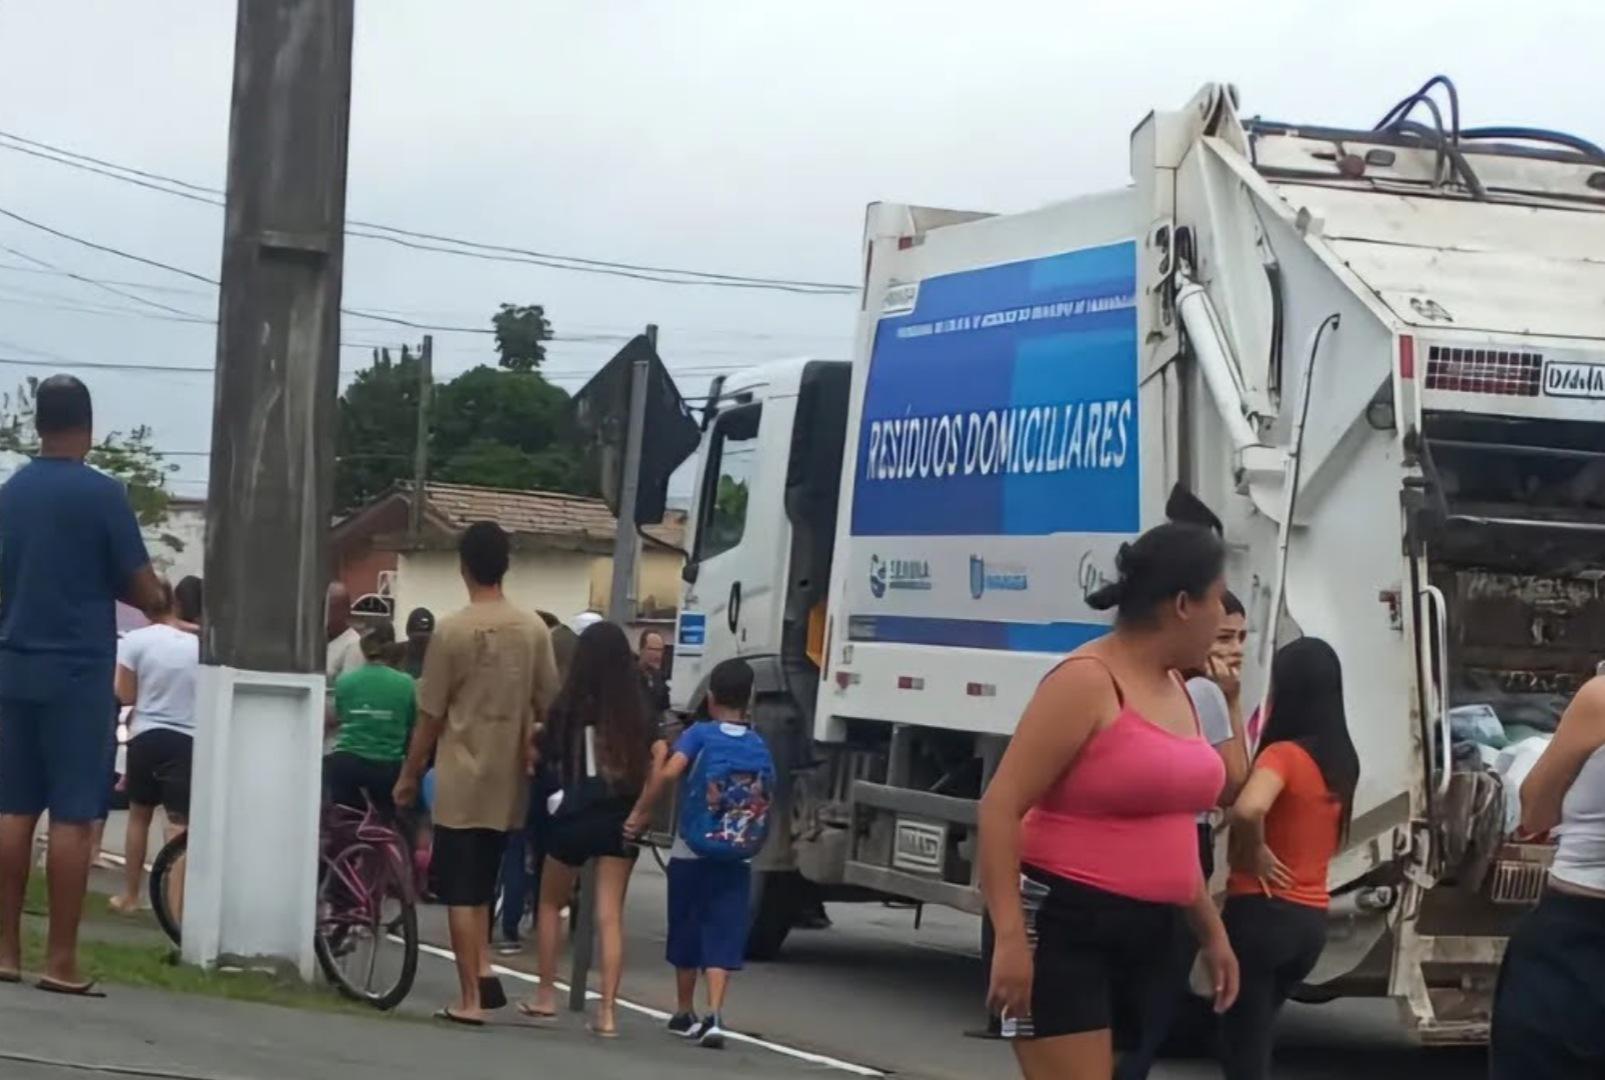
(367, 930)
(166, 886)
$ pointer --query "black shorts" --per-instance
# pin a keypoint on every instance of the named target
(595, 832)
(1094, 952)
(1549, 1013)
(159, 765)
(465, 864)
(354, 781)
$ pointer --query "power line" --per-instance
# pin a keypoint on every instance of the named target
(101, 365)
(191, 369)
(158, 264)
(106, 286)
(426, 241)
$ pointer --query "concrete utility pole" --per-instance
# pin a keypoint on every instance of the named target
(420, 451)
(270, 496)
(621, 602)
(626, 541)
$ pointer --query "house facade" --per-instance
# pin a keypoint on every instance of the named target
(562, 553)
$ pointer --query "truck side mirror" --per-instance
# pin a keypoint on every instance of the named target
(688, 572)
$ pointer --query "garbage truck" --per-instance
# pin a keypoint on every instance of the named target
(1378, 353)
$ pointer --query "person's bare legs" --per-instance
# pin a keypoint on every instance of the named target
(685, 990)
(135, 845)
(16, 862)
(96, 835)
(557, 886)
(177, 825)
(1084, 1056)
(612, 882)
(718, 983)
(467, 926)
(67, 874)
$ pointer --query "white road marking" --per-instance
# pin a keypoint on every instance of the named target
(661, 1016)
(643, 1010)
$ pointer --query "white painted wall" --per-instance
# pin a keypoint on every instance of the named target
(556, 581)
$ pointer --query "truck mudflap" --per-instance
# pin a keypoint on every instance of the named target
(915, 844)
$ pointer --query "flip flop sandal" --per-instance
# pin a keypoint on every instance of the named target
(84, 990)
(492, 995)
(602, 1033)
(452, 1018)
(527, 1010)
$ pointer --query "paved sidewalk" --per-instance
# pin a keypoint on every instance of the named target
(148, 1033)
(142, 1032)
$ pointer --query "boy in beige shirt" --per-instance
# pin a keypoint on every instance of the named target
(488, 677)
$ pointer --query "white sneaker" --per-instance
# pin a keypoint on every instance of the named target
(709, 1034)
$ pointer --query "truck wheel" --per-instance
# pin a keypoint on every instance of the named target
(772, 911)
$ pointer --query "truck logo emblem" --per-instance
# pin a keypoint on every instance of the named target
(996, 578)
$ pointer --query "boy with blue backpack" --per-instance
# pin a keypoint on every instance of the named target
(727, 784)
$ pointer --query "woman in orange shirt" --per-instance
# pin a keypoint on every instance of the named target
(1285, 827)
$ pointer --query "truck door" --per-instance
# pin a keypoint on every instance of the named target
(727, 557)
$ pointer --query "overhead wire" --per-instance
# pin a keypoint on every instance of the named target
(430, 241)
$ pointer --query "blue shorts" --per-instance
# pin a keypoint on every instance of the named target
(58, 755)
(708, 901)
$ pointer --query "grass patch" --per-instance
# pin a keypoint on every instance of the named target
(156, 967)
(36, 901)
(130, 950)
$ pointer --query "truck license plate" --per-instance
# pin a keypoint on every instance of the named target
(919, 847)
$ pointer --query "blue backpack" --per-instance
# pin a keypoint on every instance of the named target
(724, 806)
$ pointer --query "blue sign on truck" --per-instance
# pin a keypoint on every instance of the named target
(1000, 407)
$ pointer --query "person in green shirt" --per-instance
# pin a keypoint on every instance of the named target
(372, 716)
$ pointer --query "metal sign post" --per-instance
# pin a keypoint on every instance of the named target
(620, 611)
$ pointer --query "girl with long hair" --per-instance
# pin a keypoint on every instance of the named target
(596, 752)
(1089, 845)
(1286, 825)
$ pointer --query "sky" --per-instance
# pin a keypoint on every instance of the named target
(734, 136)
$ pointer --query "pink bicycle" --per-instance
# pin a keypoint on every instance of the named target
(367, 920)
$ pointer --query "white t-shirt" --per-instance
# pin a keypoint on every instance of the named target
(1214, 716)
(344, 655)
(164, 660)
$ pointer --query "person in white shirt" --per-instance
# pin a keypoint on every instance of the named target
(345, 641)
(156, 668)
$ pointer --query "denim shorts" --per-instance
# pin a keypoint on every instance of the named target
(708, 914)
(56, 755)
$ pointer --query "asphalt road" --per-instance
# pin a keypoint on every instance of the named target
(874, 992)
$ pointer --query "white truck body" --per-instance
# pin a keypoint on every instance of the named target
(1386, 378)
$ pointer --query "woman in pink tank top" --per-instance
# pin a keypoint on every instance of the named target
(1089, 846)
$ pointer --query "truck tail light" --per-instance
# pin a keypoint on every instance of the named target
(910, 682)
(981, 689)
(1504, 372)
(1407, 357)
(844, 679)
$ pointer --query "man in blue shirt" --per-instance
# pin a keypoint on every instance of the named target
(69, 549)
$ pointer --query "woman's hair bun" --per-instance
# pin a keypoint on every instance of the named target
(1186, 508)
(1107, 597)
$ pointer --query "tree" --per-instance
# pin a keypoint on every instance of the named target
(129, 457)
(376, 429)
(502, 426)
(520, 333)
